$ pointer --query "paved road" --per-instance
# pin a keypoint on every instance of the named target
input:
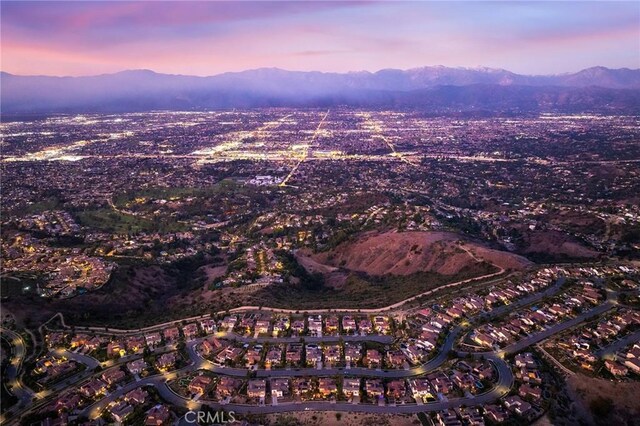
(17, 388)
(384, 339)
(239, 309)
(155, 327)
(500, 310)
(87, 360)
(441, 357)
(504, 383)
(557, 328)
(610, 350)
(199, 363)
(384, 309)
(505, 377)
(504, 309)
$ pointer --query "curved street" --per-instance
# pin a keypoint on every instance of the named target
(13, 380)
(502, 386)
(504, 382)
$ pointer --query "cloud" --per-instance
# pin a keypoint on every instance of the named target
(320, 52)
(205, 38)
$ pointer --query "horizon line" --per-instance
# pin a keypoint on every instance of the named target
(476, 68)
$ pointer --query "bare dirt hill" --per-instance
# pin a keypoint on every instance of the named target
(406, 253)
(555, 245)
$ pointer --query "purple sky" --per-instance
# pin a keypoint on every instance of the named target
(206, 38)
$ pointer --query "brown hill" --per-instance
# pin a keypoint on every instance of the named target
(405, 253)
(554, 245)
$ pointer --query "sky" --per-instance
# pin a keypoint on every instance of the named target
(207, 38)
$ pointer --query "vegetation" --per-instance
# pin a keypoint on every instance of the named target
(601, 407)
(109, 220)
(360, 290)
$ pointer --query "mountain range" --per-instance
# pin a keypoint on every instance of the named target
(434, 89)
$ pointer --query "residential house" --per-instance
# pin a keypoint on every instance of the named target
(348, 324)
(327, 386)
(332, 353)
(257, 388)
(137, 366)
(373, 358)
(351, 387)
(120, 411)
(153, 339)
(331, 325)
(190, 331)
(159, 415)
(137, 396)
(297, 327)
(208, 326)
(374, 388)
(93, 388)
(112, 376)
(396, 358)
(314, 354)
(280, 387)
(200, 384)
(396, 389)
(135, 344)
(171, 335)
(227, 386)
(352, 352)
(365, 326)
(166, 361)
(294, 354)
(274, 356)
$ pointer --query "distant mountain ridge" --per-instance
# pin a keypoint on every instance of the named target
(434, 88)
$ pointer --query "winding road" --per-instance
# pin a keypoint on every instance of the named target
(502, 386)
(13, 380)
(196, 362)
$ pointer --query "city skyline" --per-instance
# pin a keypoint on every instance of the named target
(208, 38)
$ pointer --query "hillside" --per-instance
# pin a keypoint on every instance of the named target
(407, 253)
(554, 246)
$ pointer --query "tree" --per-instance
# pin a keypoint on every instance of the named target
(601, 407)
